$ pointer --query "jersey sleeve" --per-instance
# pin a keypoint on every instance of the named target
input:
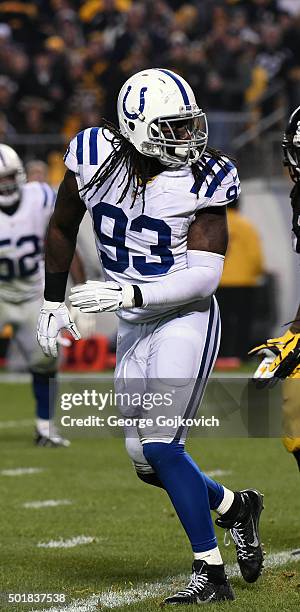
(47, 198)
(223, 185)
(85, 149)
(70, 156)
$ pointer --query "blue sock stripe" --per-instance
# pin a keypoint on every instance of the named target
(93, 142)
(44, 395)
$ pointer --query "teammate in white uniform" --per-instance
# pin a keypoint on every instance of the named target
(25, 209)
(157, 197)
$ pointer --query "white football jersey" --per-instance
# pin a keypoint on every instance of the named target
(22, 244)
(139, 244)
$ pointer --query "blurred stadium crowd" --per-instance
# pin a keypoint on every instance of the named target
(63, 61)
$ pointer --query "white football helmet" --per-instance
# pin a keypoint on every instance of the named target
(12, 176)
(159, 115)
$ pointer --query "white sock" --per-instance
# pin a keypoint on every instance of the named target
(43, 426)
(226, 502)
(212, 557)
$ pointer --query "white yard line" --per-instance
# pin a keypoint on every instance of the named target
(12, 424)
(15, 377)
(217, 473)
(76, 541)
(20, 471)
(114, 599)
(23, 377)
(47, 503)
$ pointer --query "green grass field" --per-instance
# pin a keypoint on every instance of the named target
(136, 536)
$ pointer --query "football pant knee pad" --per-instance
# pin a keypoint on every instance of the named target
(135, 451)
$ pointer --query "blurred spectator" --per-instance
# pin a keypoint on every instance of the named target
(75, 54)
(6, 129)
(47, 80)
(134, 28)
(291, 39)
(8, 89)
(273, 58)
(243, 268)
(290, 6)
(22, 18)
(34, 115)
(37, 170)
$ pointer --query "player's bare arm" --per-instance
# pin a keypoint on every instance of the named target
(209, 231)
(59, 253)
(77, 269)
(63, 228)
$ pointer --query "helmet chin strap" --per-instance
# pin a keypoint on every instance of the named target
(194, 155)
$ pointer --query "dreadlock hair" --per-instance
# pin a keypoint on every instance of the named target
(139, 168)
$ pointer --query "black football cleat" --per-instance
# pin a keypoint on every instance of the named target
(244, 530)
(52, 440)
(208, 584)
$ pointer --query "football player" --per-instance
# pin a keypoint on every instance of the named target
(282, 355)
(25, 209)
(157, 196)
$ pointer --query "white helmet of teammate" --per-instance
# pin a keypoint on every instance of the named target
(12, 176)
(159, 115)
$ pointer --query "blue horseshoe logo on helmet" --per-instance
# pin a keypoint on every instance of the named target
(141, 106)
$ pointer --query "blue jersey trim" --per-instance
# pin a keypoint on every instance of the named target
(205, 172)
(179, 84)
(93, 146)
(218, 179)
(79, 148)
(44, 190)
(66, 153)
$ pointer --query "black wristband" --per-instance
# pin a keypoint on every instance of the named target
(138, 298)
(55, 286)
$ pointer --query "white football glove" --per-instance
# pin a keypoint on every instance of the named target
(86, 322)
(98, 296)
(54, 316)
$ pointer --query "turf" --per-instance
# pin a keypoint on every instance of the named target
(137, 537)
